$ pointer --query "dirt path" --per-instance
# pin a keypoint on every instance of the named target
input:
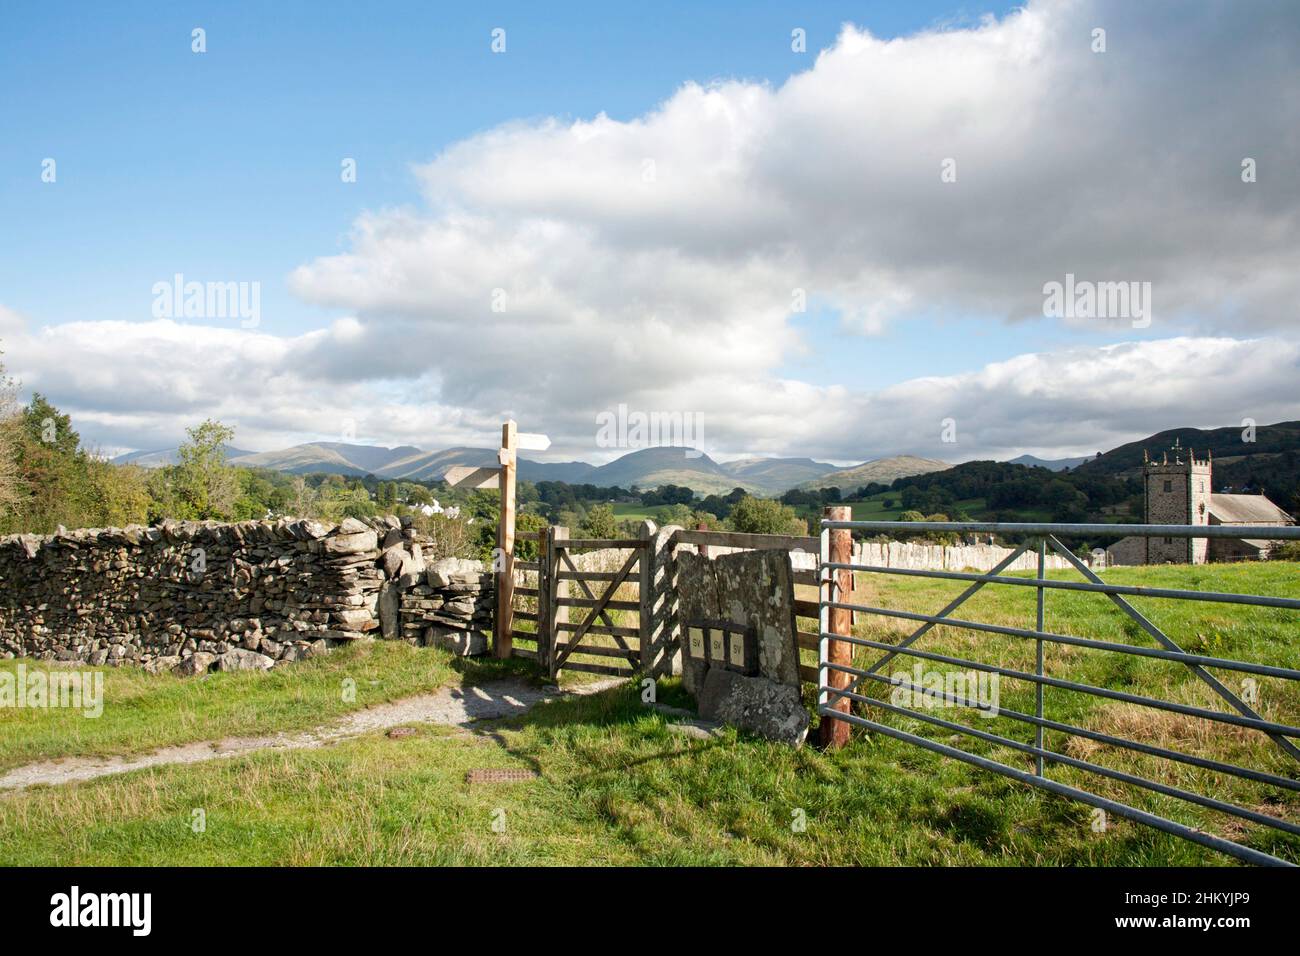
(452, 706)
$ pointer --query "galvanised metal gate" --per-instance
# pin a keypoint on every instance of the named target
(839, 684)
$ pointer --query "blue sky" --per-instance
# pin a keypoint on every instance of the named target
(225, 165)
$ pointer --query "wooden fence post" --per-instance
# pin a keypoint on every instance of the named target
(703, 549)
(544, 598)
(559, 614)
(502, 636)
(645, 597)
(836, 586)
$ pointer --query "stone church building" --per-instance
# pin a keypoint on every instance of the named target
(1179, 492)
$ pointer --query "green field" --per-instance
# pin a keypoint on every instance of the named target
(631, 511)
(617, 785)
(874, 507)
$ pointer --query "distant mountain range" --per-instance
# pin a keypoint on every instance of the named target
(1051, 464)
(882, 470)
(166, 456)
(645, 468)
(1267, 461)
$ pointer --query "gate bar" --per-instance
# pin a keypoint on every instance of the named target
(1267, 532)
(1204, 763)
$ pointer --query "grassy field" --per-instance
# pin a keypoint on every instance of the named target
(1261, 635)
(631, 511)
(618, 785)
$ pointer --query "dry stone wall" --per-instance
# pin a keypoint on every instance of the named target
(915, 555)
(199, 596)
(449, 608)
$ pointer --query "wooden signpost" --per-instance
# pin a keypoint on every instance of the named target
(502, 476)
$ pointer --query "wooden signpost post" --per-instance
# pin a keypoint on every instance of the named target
(502, 476)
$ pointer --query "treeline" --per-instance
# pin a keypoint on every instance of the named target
(1009, 489)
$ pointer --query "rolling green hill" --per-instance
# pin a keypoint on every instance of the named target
(1271, 463)
(775, 475)
(881, 470)
(653, 467)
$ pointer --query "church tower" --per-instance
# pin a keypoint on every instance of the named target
(1177, 492)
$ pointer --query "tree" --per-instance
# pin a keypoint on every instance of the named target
(10, 437)
(678, 515)
(54, 483)
(302, 498)
(121, 491)
(600, 523)
(205, 487)
(765, 516)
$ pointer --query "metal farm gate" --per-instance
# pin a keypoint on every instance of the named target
(1259, 686)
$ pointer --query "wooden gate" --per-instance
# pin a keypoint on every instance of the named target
(595, 621)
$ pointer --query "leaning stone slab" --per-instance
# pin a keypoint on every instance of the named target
(755, 589)
(755, 704)
(697, 598)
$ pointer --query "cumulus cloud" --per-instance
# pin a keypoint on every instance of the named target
(1082, 400)
(557, 269)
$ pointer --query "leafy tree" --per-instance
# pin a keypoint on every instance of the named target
(204, 485)
(122, 493)
(600, 523)
(527, 549)
(55, 484)
(677, 514)
(10, 440)
(765, 516)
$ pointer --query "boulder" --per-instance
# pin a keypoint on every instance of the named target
(238, 659)
(200, 662)
(460, 643)
(355, 619)
(160, 665)
(758, 705)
